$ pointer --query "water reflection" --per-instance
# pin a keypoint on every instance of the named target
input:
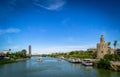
(104, 73)
(75, 65)
(88, 68)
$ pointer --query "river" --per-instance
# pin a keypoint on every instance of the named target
(51, 67)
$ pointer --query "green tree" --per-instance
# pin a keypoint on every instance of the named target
(115, 44)
(109, 44)
(23, 53)
(9, 50)
(104, 63)
(8, 54)
(71, 53)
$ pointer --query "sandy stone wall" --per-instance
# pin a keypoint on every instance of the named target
(115, 65)
(102, 48)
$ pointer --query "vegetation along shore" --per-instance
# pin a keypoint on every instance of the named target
(9, 57)
(103, 56)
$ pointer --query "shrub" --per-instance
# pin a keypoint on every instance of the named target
(112, 57)
(104, 63)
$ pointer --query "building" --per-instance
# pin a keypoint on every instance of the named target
(3, 55)
(102, 48)
(29, 48)
(5, 51)
(91, 49)
(118, 51)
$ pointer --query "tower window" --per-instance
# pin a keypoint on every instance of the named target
(101, 51)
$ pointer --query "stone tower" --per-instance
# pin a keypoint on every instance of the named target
(102, 48)
(29, 48)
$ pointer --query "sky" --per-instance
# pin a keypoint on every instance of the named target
(58, 25)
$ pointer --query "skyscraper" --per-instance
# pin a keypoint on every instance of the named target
(29, 48)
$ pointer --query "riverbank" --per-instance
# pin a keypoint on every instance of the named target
(22, 59)
(104, 63)
(7, 61)
(99, 63)
(14, 57)
(115, 65)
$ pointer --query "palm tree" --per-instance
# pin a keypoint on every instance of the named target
(9, 50)
(115, 43)
(109, 44)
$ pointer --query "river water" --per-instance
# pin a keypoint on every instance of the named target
(51, 67)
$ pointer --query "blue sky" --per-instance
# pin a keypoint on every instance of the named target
(57, 25)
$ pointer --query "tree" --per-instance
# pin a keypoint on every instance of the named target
(109, 44)
(115, 43)
(104, 63)
(9, 50)
(71, 53)
(23, 52)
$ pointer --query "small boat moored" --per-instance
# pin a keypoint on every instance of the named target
(60, 58)
(87, 62)
(74, 60)
(39, 59)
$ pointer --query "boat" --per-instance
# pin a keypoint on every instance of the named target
(59, 59)
(87, 62)
(39, 59)
(74, 60)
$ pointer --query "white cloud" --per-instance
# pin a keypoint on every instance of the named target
(50, 4)
(9, 30)
(12, 30)
(62, 49)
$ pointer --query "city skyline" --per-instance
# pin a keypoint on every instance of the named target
(58, 25)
